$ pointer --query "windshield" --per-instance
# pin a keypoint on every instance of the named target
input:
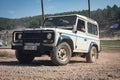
(60, 22)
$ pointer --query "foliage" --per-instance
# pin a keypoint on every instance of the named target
(6, 23)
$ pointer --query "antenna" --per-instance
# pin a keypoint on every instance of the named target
(42, 6)
(89, 8)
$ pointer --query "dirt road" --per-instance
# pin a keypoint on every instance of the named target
(107, 67)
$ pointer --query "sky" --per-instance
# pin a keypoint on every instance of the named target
(26, 8)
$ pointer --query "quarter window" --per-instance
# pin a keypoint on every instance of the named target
(92, 29)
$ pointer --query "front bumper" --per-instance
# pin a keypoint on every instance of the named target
(40, 49)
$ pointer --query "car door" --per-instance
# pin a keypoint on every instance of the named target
(81, 38)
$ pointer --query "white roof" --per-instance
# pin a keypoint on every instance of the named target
(88, 19)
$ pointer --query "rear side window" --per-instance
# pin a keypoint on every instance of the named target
(92, 29)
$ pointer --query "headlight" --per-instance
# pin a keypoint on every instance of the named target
(17, 36)
(49, 36)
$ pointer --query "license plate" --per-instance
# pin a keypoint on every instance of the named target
(30, 47)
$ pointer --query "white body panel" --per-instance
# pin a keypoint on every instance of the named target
(80, 40)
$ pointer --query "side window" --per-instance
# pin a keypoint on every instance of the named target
(92, 29)
(81, 25)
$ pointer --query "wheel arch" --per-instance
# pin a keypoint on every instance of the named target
(66, 39)
(95, 45)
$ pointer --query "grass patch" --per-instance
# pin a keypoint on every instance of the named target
(110, 43)
(113, 45)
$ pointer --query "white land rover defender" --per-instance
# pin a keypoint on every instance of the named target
(61, 37)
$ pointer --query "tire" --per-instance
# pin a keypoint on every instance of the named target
(61, 54)
(24, 58)
(92, 55)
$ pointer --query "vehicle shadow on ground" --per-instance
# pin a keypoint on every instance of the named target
(35, 63)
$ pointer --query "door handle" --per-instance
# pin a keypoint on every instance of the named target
(85, 39)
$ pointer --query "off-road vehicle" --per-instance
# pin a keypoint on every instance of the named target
(60, 37)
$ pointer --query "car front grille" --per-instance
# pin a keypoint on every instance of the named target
(32, 36)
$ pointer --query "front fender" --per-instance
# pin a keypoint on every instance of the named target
(61, 38)
(67, 39)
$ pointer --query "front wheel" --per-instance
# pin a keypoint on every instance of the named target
(92, 55)
(61, 54)
(24, 57)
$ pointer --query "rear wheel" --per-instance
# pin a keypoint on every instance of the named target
(24, 57)
(92, 55)
(61, 54)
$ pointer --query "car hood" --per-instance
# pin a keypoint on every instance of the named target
(54, 29)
